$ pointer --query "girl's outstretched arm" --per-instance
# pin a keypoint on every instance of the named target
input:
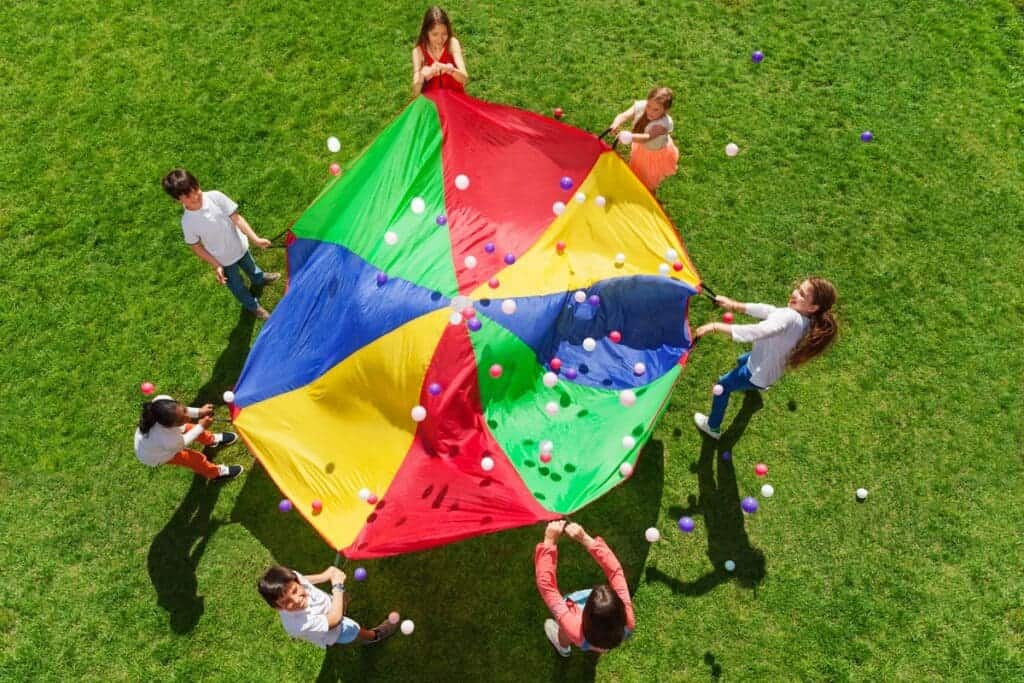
(621, 119)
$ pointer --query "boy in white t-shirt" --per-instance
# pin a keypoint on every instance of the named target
(219, 235)
(310, 614)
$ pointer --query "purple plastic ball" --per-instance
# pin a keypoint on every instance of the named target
(565, 183)
(382, 278)
(570, 373)
(726, 456)
(757, 56)
(474, 324)
(686, 524)
(359, 574)
(285, 505)
(867, 136)
(510, 259)
(434, 389)
(442, 219)
(489, 247)
(594, 300)
(749, 505)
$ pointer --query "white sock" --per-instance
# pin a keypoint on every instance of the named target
(223, 469)
(217, 438)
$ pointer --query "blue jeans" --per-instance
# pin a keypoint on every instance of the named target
(237, 285)
(737, 379)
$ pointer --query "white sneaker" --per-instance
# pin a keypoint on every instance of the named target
(551, 631)
(701, 420)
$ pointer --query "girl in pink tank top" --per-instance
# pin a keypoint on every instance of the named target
(437, 62)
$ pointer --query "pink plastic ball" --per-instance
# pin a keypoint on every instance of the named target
(760, 469)
(727, 317)
(555, 364)
(493, 283)
(147, 388)
(545, 457)
(335, 169)
(371, 499)
(615, 336)
(468, 312)
(496, 371)
(317, 506)
(560, 247)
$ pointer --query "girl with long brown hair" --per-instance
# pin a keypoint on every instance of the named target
(437, 62)
(785, 338)
(653, 156)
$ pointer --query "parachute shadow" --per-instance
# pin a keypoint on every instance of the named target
(718, 502)
(176, 549)
(474, 603)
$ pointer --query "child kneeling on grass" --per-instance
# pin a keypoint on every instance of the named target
(310, 614)
(165, 434)
(594, 619)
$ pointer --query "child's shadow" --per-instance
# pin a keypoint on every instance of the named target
(474, 602)
(719, 502)
(176, 549)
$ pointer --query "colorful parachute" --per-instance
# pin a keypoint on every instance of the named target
(428, 268)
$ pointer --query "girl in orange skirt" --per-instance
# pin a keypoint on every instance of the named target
(653, 156)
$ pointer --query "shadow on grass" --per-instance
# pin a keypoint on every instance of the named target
(719, 503)
(475, 605)
(177, 549)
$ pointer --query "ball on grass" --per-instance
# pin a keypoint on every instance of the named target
(728, 317)
(359, 574)
(334, 169)
(867, 136)
(756, 56)
(408, 627)
(730, 566)
(333, 145)
(760, 469)
(862, 494)
(652, 535)
(147, 388)
(749, 505)
(285, 505)
(732, 149)
(767, 490)
(686, 524)
(558, 112)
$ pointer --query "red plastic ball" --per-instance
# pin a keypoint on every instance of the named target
(468, 312)
(496, 370)
(545, 457)
(559, 113)
(335, 169)
(677, 266)
(615, 336)
(493, 283)
(560, 247)
(727, 317)
(147, 388)
(556, 364)
(372, 500)
(761, 469)
(317, 506)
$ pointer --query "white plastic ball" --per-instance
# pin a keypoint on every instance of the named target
(558, 208)
(731, 149)
(626, 137)
(671, 255)
(639, 369)
(589, 344)
(470, 261)
(718, 390)
(419, 414)
(229, 397)
(418, 205)
(408, 627)
(628, 442)
(455, 319)
(664, 269)
(627, 397)
(580, 296)
(767, 490)
(625, 469)
(546, 447)
(462, 181)
(550, 379)
(551, 408)
(600, 200)
(486, 464)
(333, 144)
(364, 494)
(580, 197)
(620, 258)
(730, 565)
(862, 493)
(652, 535)
(391, 238)
(508, 306)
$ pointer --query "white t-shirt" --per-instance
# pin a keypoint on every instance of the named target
(311, 623)
(212, 226)
(775, 337)
(163, 443)
(666, 121)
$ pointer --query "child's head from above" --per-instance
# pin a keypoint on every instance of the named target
(436, 29)
(813, 295)
(659, 101)
(163, 411)
(280, 587)
(604, 618)
(183, 187)
(814, 298)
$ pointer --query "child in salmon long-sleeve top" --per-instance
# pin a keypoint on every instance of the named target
(594, 619)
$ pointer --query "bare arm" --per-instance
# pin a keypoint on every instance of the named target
(657, 131)
(458, 72)
(247, 230)
(621, 119)
(417, 72)
(199, 250)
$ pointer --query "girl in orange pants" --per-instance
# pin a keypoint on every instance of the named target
(164, 434)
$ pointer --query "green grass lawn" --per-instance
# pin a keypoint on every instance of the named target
(112, 571)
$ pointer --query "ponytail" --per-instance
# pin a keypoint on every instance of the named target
(162, 411)
(662, 96)
(824, 327)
